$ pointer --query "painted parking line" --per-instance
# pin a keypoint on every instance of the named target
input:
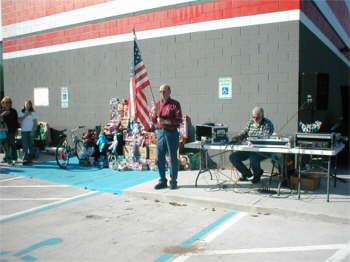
(340, 254)
(266, 250)
(33, 199)
(214, 234)
(24, 253)
(10, 179)
(35, 210)
(36, 186)
(208, 234)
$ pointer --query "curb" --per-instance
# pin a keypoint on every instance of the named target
(229, 205)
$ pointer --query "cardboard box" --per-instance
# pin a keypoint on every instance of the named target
(308, 181)
(143, 151)
(124, 123)
(126, 151)
(152, 152)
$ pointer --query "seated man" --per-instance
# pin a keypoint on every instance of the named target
(258, 126)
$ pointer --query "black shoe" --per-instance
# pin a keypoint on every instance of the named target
(173, 186)
(160, 185)
(245, 178)
(256, 180)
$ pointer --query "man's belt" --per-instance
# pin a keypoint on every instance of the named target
(169, 128)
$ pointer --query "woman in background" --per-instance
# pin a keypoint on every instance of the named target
(29, 122)
(10, 117)
(3, 131)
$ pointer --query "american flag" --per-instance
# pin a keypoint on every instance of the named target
(138, 82)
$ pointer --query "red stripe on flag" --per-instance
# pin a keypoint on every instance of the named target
(144, 85)
(141, 81)
(143, 76)
(139, 69)
(142, 105)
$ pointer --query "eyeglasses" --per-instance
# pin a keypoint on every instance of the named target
(162, 91)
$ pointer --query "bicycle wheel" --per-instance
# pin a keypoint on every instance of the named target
(79, 149)
(62, 154)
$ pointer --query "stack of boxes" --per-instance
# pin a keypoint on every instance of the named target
(140, 150)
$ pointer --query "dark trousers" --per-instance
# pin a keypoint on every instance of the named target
(27, 143)
(10, 147)
(167, 142)
(238, 157)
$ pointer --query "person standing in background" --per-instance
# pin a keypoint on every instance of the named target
(29, 124)
(10, 117)
(167, 117)
(3, 131)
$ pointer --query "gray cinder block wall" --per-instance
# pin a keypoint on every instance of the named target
(263, 61)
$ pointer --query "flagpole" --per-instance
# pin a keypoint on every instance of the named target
(154, 100)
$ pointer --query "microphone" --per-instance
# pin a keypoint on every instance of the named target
(302, 107)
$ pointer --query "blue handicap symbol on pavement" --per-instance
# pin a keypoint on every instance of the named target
(23, 254)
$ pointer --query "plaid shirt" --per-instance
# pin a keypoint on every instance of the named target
(253, 130)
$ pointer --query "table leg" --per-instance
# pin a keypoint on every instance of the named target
(282, 175)
(328, 176)
(299, 174)
(200, 166)
(335, 171)
(200, 172)
(204, 169)
(206, 164)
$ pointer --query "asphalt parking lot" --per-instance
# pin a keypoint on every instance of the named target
(45, 221)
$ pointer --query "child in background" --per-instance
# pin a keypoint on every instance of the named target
(29, 122)
(102, 150)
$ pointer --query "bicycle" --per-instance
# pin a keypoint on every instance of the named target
(69, 147)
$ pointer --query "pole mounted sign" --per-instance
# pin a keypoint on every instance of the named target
(225, 88)
(64, 97)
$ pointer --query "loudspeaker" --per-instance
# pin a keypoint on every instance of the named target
(214, 134)
(203, 131)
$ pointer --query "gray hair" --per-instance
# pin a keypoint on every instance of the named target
(166, 86)
(258, 110)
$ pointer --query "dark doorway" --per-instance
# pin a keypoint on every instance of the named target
(344, 126)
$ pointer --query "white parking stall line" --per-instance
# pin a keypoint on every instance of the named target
(37, 186)
(10, 179)
(32, 199)
(49, 205)
(340, 254)
(214, 234)
(267, 250)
